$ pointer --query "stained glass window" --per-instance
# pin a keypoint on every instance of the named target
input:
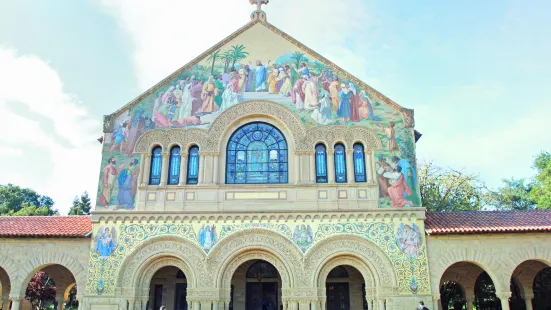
(340, 163)
(174, 166)
(359, 163)
(321, 164)
(156, 166)
(193, 165)
(256, 154)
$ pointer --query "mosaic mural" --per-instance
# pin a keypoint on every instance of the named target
(403, 246)
(259, 64)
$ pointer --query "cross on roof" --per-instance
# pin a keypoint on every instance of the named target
(259, 3)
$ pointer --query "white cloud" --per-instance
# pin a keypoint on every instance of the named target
(32, 102)
(168, 34)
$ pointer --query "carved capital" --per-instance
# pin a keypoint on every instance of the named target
(17, 298)
(435, 297)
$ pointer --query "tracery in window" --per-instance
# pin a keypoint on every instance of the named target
(257, 154)
(359, 163)
(193, 165)
(174, 166)
(156, 166)
(340, 163)
(321, 164)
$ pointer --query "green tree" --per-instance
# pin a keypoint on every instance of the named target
(514, 194)
(18, 201)
(238, 53)
(213, 58)
(449, 190)
(81, 206)
(541, 191)
(319, 67)
(226, 58)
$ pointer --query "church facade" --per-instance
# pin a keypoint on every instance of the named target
(262, 176)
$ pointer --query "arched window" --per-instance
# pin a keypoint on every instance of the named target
(263, 270)
(359, 163)
(193, 165)
(174, 166)
(256, 154)
(321, 164)
(156, 166)
(340, 163)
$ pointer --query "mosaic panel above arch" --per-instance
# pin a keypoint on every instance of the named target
(401, 262)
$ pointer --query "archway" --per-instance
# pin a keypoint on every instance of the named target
(5, 287)
(531, 286)
(256, 285)
(345, 289)
(168, 287)
(49, 286)
(467, 285)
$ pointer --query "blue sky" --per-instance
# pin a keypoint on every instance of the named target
(475, 72)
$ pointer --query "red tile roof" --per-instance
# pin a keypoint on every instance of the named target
(471, 222)
(45, 226)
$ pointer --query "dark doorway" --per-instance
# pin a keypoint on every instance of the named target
(158, 297)
(338, 296)
(180, 301)
(261, 296)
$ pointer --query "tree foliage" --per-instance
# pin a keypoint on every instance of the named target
(40, 289)
(17, 201)
(541, 191)
(81, 205)
(514, 194)
(448, 190)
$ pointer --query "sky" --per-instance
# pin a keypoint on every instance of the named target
(477, 74)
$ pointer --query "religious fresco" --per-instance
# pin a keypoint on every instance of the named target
(401, 243)
(260, 64)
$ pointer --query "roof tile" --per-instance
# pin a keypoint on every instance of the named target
(470, 222)
(45, 226)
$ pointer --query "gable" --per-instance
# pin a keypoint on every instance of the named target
(258, 63)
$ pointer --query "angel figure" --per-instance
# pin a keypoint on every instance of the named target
(408, 239)
(303, 236)
(106, 241)
(207, 237)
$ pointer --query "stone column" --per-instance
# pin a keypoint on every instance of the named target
(381, 302)
(16, 302)
(504, 297)
(146, 165)
(312, 160)
(5, 302)
(297, 167)
(293, 305)
(470, 301)
(164, 169)
(205, 305)
(436, 302)
(183, 169)
(196, 305)
(528, 301)
(350, 166)
(215, 163)
(331, 166)
(315, 305)
(201, 168)
(323, 302)
(368, 167)
(304, 305)
(132, 303)
(60, 302)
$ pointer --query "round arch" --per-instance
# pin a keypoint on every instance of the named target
(483, 261)
(346, 260)
(256, 243)
(541, 254)
(29, 268)
(256, 110)
(167, 137)
(156, 253)
(365, 254)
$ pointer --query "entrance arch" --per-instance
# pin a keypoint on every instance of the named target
(533, 280)
(167, 287)
(5, 285)
(345, 288)
(256, 285)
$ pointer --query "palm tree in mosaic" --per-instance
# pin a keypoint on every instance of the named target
(238, 53)
(226, 58)
(212, 58)
(318, 66)
(298, 57)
